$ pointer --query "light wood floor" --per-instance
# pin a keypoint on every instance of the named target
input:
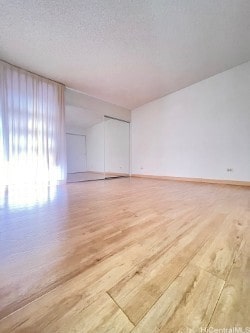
(127, 255)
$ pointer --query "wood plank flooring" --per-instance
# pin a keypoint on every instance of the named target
(125, 255)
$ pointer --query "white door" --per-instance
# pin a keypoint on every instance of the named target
(76, 153)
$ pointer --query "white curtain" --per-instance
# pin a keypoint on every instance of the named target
(32, 128)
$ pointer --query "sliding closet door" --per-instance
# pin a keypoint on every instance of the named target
(97, 147)
(117, 154)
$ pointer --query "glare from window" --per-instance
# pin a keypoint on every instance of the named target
(30, 196)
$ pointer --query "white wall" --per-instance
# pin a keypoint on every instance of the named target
(117, 142)
(73, 129)
(76, 153)
(199, 131)
(95, 148)
(78, 99)
(74, 157)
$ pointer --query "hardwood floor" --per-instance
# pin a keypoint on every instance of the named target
(125, 255)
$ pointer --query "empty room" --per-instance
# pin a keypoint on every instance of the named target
(125, 166)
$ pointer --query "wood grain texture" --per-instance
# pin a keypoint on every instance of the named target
(233, 308)
(187, 304)
(124, 255)
(70, 316)
(138, 291)
(217, 255)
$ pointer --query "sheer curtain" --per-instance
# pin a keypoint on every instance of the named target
(32, 133)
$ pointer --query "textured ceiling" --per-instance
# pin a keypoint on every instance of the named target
(125, 52)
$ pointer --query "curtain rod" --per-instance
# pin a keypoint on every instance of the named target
(20, 68)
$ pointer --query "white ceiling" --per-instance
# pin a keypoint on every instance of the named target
(126, 52)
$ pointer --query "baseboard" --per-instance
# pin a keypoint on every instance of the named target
(196, 180)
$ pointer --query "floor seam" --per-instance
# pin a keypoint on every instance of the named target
(226, 278)
(114, 301)
(188, 263)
